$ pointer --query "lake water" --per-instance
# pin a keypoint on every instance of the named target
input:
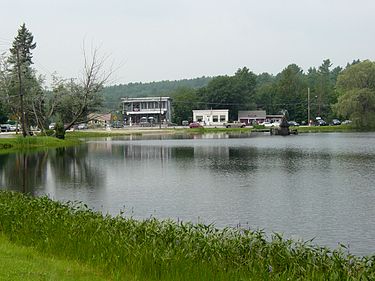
(318, 186)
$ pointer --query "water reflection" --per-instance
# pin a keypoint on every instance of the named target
(28, 172)
(318, 185)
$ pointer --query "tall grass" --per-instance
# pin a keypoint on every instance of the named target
(166, 250)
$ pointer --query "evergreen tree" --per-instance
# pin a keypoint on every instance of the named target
(24, 83)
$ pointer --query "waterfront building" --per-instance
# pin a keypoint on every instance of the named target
(146, 109)
(258, 116)
(211, 117)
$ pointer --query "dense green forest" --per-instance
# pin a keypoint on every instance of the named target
(113, 94)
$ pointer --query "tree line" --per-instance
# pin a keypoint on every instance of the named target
(347, 93)
(112, 94)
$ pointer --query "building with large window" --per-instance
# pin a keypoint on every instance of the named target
(211, 117)
(252, 117)
(147, 109)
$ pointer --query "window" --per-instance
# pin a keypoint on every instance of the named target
(215, 118)
(222, 118)
(199, 118)
(136, 106)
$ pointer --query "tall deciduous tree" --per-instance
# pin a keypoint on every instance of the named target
(266, 92)
(356, 90)
(74, 100)
(184, 101)
(291, 92)
(231, 92)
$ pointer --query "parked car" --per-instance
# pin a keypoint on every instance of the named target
(5, 127)
(346, 122)
(14, 128)
(235, 124)
(269, 124)
(145, 124)
(321, 122)
(82, 126)
(185, 123)
(335, 122)
(195, 125)
(52, 126)
(293, 123)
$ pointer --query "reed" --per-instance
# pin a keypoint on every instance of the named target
(151, 249)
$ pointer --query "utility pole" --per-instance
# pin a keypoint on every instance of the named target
(160, 113)
(308, 106)
(21, 92)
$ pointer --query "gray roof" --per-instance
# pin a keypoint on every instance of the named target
(252, 114)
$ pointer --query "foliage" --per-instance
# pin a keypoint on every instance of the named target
(49, 132)
(231, 92)
(168, 250)
(184, 100)
(22, 81)
(113, 94)
(74, 101)
(266, 93)
(59, 130)
(356, 89)
(291, 87)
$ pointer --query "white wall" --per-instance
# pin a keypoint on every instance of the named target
(211, 116)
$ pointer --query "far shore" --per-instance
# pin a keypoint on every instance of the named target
(131, 130)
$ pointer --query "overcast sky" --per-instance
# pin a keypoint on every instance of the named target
(153, 40)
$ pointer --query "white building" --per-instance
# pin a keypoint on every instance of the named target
(157, 109)
(211, 117)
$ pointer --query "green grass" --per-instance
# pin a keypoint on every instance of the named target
(96, 134)
(127, 249)
(17, 143)
(325, 129)
(25, 263)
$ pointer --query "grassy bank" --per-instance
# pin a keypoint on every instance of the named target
(10, 144)
(18, 263)
(127, 249)
(326, 129)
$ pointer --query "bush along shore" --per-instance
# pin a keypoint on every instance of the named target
(129, 249)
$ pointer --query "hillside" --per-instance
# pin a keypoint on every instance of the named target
(113, 94)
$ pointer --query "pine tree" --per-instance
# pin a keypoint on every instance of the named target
(24, 81)
(22, 46)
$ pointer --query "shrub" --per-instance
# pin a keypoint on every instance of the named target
(60, 131)
(49, 132)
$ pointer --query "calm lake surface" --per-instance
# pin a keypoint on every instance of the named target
(318, 186)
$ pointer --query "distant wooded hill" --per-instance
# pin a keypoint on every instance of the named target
(113, 94)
